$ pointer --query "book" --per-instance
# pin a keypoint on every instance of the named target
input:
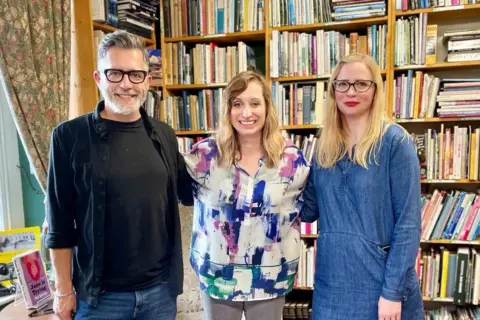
(32, 278)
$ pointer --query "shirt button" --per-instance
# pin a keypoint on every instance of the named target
(100, 182)
(104, 158)
(99, 207)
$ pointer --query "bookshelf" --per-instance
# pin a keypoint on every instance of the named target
(446, 18)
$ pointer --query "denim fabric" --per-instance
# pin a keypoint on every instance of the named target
(148, 304)
(369, 225)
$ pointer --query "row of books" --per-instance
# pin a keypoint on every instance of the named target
(410, 40)
(303, 54)
(137, 17)
(464, 45)
(306, 265)
(185, 144)
(449, 313)
(300, 103)
(446, 273)
(193, 111)
(201, 17)
(290, 13)
(206, 63)
(297, 310)
(450, 154)
(307, 144)
(153, 103)
(421, 95)
(452, 215)
(309, 228)
(404, 5)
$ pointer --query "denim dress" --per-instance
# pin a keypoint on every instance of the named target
(369, 232)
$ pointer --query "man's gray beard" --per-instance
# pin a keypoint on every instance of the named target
(116, 107)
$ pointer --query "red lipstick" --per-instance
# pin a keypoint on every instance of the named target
(351, 103)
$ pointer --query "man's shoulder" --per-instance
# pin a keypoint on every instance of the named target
(75, 125)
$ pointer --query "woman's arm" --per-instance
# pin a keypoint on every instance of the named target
(405, 188)
(309, 211)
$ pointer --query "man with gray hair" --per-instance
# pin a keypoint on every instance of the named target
(113, 182)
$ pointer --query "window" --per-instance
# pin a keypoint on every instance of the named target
(11, 199)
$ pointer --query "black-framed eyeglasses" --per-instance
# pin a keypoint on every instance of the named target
(359, 85)
(116, 75)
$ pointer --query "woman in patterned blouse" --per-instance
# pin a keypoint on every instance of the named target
(247, 185)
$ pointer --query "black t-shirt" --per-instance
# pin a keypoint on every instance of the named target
(137, 246)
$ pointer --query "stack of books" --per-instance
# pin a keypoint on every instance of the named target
(463, 45)
(356, 9)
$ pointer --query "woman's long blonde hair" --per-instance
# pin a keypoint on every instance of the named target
(332, 144)
(226, 136)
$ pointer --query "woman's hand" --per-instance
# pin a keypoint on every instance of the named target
(389, 310)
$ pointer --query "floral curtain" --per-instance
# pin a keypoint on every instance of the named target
(35, 71)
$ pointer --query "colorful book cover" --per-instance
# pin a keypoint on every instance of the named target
(33, 278)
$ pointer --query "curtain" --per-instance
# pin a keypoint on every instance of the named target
(35, 71)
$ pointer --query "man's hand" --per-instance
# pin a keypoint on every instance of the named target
(63, 306)
(389, 310)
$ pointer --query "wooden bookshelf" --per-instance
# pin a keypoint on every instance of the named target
(156, 83)
(301, 127)
(446, 241)
(439, 66)
(348, 25)
(455, 119)
(303, 288)
(179, 87)
(108, 28)
(263, 38)
(309, 236)
(449, 300)
(224, 38)
(467, 10)
(440, 181)
(194, 133)
(312, 77)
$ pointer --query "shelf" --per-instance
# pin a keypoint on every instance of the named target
(459, 181)
(194, 133)
(335, 25)
(308, 78)
(156, 83)
(449, 300)
(108, 28)
(301, 127)
(178, 87)
(303, 288)
(249, 36)
(455, 119)
(446, 241)
(460, 11)
(441, 66)
(309, 236)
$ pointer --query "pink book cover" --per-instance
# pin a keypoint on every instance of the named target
(35, 281)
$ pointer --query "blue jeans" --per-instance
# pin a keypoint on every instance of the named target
(148, 304)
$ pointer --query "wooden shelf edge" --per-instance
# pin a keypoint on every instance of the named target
(309, 77)
(194, 132)
(440, 66)
(97, 25)
(303, 288)
(436, 10)
(446, 241)
(333, 25)
(459, 181)
(301, 126)
(448, 300)
(309, 236)
(195, 86)
(439, 119)
(223, 37)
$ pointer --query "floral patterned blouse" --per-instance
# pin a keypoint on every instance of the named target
(246, 229)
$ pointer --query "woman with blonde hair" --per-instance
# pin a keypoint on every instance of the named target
(247, 184)
(364, 188)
